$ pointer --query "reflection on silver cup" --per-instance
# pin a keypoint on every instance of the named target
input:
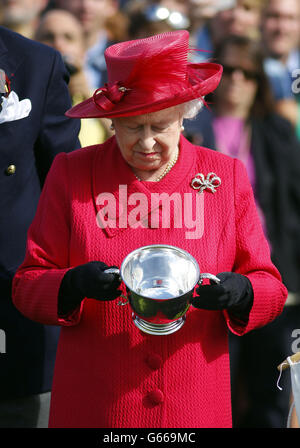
(160, 280)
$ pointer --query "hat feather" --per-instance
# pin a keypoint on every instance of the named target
(159, 70)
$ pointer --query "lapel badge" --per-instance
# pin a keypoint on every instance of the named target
(4, 87)
(211, 182)
(4, 84)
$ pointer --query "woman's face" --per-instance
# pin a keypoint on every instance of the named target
(237, 90)
(148, 142)
(61, 30)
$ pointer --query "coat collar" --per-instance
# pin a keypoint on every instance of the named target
(3, 48)
(112, 175)
(11, 54)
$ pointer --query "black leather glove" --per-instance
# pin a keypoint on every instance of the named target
(87, 280)
(234, 293)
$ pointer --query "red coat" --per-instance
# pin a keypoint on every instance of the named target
(108, 373)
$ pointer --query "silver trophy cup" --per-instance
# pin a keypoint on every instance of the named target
(160, 280)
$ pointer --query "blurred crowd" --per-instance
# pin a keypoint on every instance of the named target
(253, 115)
(82, 29)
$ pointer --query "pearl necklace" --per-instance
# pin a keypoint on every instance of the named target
(166, 171)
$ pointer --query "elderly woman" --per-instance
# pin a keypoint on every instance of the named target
(96, 208)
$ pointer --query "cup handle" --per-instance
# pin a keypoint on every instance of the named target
(112, 271)
(117, 272)
(210, 277)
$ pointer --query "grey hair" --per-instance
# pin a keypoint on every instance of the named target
(191, 108)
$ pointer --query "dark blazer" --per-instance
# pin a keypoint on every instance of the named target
(276, 155)
(27, 149)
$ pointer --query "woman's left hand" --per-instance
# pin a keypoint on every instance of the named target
(233, 293)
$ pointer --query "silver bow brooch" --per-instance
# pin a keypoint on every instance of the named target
(211, 182)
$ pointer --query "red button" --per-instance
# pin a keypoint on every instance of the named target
(156, 396)
(154, 361)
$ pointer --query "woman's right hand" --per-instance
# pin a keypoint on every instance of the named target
(88, 280)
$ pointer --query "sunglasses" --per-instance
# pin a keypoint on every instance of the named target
(248, 74)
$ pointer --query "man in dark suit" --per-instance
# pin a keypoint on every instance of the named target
(33, 129)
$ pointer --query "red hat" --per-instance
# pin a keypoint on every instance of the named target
(147, 75)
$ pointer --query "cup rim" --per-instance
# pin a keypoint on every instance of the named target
(159, 246)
